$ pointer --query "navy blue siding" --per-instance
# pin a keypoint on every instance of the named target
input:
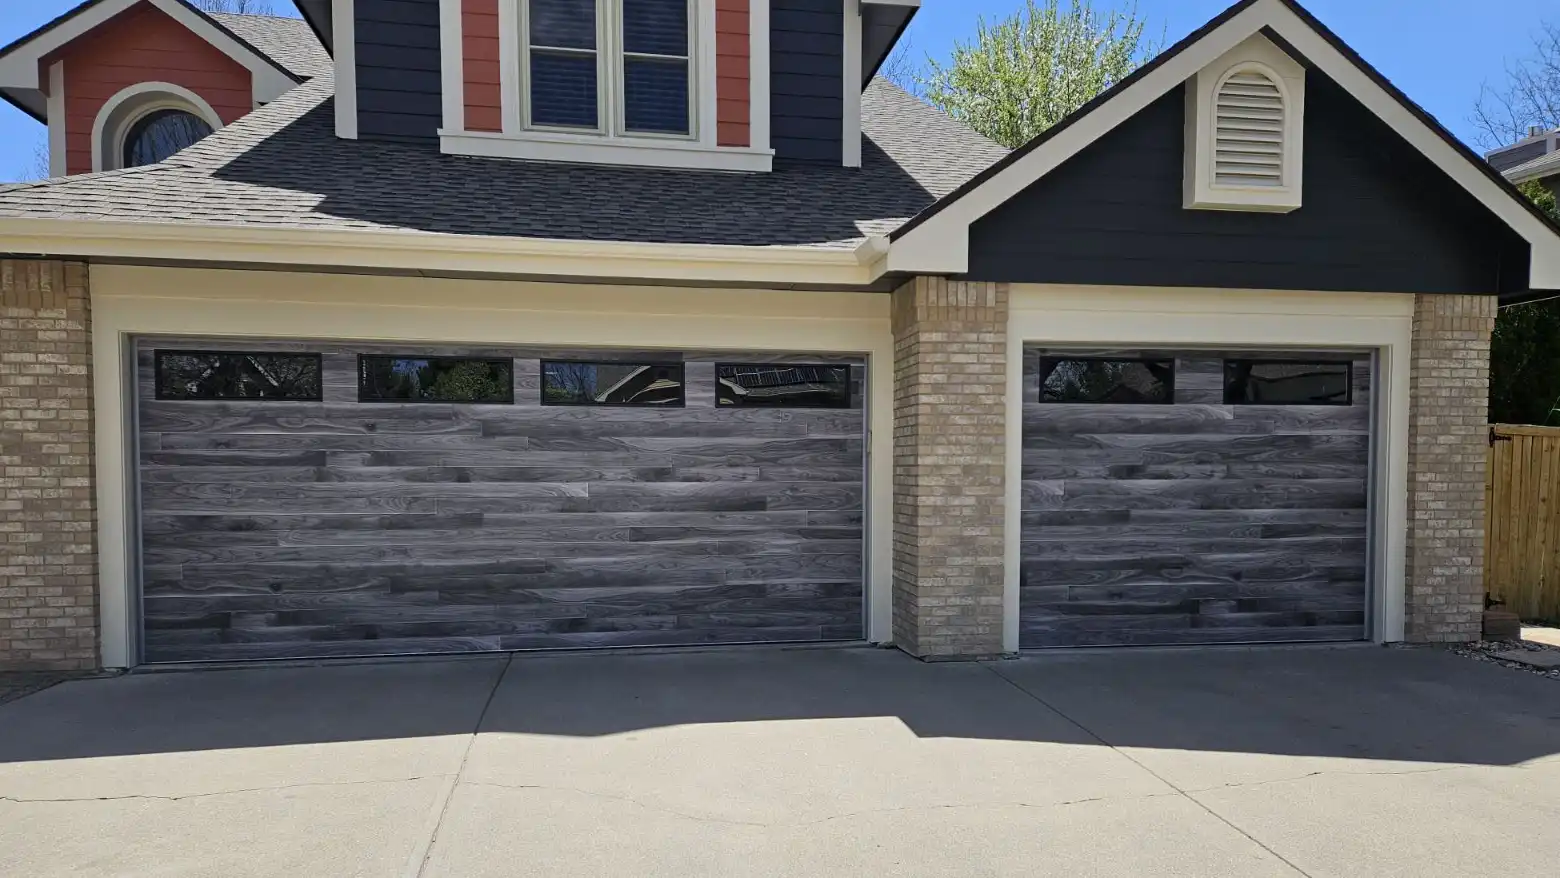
(807, 79)
(398, 77)
(1377, 217)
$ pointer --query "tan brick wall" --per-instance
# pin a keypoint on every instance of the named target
(1448, 447)
(48, 553)
(950, 366)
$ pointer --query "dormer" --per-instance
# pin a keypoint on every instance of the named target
(726, 85)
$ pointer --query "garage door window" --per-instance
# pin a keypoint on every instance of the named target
(1099, 380)
(214, 375)
(1274, 382)
(435, 379)
(634, 384)
(783, 386)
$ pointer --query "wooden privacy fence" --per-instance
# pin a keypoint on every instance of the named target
(1522, 530)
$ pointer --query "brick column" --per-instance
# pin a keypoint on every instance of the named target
(48, 552)
(950, 366)
(1448, 450)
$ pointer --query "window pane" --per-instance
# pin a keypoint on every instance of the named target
(655, 95)
(563, 90)
(563, 24)
(231, 375)
(1115, 382)
(655, 27)
(658, 384)
(158, 135)
(434, 379)
(784, 386)
(1254, 382)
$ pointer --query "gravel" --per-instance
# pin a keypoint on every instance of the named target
(1484, 651)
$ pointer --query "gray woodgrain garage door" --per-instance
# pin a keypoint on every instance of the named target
(291, 526)
(1194, 497)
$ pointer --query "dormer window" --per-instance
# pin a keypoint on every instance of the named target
(1245, 131)
(653, 83)
(639, 48)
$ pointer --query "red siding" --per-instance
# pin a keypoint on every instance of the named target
(479, 38)
(732, 73)
(142, 44)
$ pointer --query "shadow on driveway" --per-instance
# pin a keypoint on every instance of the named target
(1360, 703)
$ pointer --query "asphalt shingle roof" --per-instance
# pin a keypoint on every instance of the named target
(282, 166)
(1537, 169)
(288, 41)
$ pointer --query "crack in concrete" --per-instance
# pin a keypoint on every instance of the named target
(1335, 773)
(802, 824)
(19, 800)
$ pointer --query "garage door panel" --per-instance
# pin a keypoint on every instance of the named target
(339, 527)
(1195, 494)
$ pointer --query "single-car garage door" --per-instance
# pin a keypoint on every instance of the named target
(1194, 497)
(306, 499)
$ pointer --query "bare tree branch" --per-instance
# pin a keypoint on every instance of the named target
(242, 7)
(901, 68)
(1529, 99)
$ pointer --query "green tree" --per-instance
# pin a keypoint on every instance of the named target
(1525, 351)
(1027, 72)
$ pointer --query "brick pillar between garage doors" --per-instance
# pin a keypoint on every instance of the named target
(950, 366)
(48, 520)
(1448, 453)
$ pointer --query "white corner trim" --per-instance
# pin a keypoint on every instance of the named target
(452, 65)
(57, 120)
(108, 134)
(509, 66)
(344, 41)
(424, 251)
(703, 55)
(585, 149)
(940, 245)
(850, 134)
(758, 74)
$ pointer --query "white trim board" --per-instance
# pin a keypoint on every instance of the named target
(1145, 317)
(129, 301)
(59, 159)
(108, 145)
(343, 27)
(455, 254)
(19, 68)
(940, 244)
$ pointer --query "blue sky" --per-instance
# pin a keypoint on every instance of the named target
(1438, 51)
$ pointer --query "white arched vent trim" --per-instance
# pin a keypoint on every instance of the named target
(1248, 141)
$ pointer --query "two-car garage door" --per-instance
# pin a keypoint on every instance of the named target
(306, 499)
(1175, 497)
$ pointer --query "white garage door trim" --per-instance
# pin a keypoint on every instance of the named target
(1192, 318)
(138, 300)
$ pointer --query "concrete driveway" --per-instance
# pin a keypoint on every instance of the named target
(1358, 761)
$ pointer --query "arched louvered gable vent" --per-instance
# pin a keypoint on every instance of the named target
(1245, 131)
(1249, 135)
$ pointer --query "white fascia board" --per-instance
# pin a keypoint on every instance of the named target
(20, 68)
(268, 81)
(429, 252)
(941, 244)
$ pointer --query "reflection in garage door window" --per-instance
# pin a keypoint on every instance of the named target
(1279, 382)
(783, 386)
(435, 379)
(571, 383)
(1107, 381)
(237, 375)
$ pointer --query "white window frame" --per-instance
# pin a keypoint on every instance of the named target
(120, 113)
(610, 143)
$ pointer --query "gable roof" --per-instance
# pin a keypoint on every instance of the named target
(282, 170)
(936, 240)
(289, 42)
(19, 60)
